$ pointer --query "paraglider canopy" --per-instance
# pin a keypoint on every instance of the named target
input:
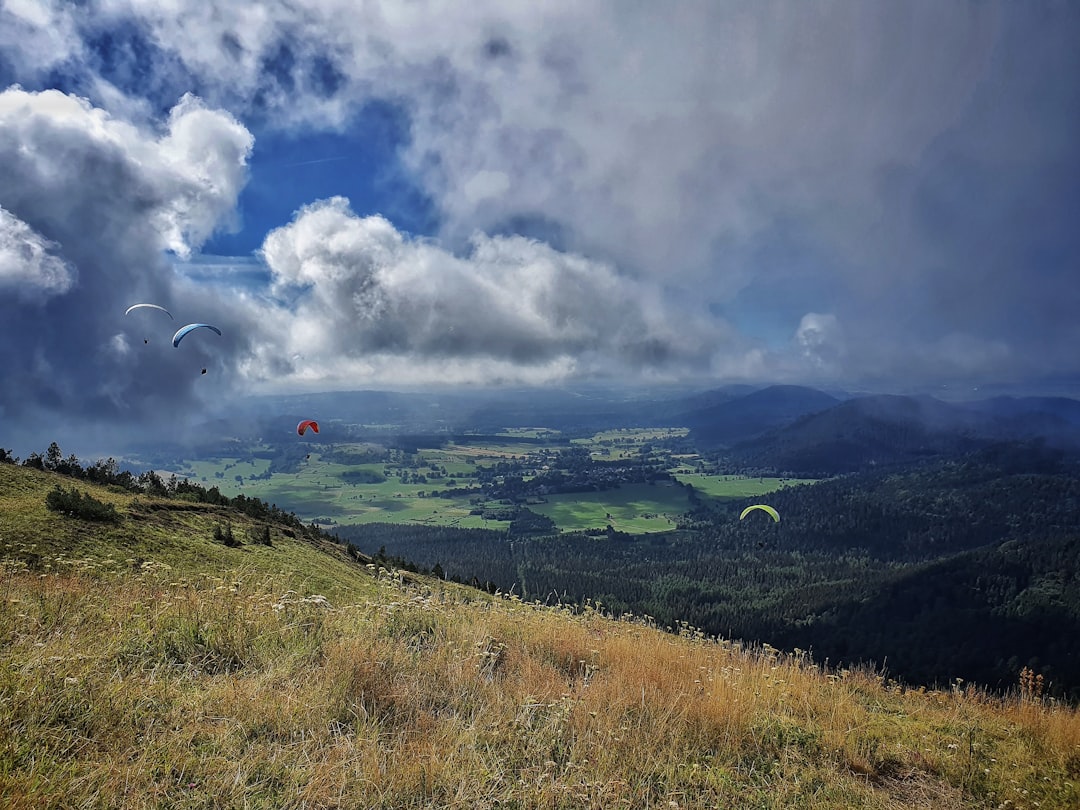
(767, 509)
(305, 424)
(183, 330)
(151, 306)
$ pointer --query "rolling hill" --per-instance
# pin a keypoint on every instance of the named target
(744, 417)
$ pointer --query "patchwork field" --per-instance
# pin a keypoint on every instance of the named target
(399, 487)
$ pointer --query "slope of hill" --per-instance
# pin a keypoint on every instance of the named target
(144, 664)
(746, 416)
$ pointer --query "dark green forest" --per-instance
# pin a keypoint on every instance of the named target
(951, 569)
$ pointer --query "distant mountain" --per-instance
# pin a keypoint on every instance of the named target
(747, 416)
(711, 398)
(1041, 410)
(890, 429)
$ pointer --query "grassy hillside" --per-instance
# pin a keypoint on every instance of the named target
(142, 664)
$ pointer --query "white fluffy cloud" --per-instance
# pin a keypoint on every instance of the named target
(363, 296)
(28, 267)
(207, 151)
(668, 141)
(60, 150)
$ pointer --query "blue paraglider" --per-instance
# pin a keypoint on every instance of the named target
(182, 331)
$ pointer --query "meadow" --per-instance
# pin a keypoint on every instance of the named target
(632, 508)
(735, 487)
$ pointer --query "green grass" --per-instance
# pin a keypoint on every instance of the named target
(174, 535)
(731, 487)
(428, 511)
(627, 506)
(531, 432)
(491, 451)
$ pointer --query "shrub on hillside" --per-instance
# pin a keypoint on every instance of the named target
(81, 505)
(227, 537)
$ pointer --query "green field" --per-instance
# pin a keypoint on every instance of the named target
(734, 487)
(317, 491)
(531, 432)
(633, 508)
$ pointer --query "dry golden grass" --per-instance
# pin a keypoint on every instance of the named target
(121, 689)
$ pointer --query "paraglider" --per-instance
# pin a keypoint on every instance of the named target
(305, 424)
(204, 371)
(183, 331)
(767, 509)
(129, 310)
(151, 306)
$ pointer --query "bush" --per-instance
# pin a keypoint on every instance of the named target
(81, 505)
(260, 536)
(227, 537)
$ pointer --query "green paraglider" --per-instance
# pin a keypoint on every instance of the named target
(767, 509)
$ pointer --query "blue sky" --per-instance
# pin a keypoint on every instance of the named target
(289, 170)
(845, 194)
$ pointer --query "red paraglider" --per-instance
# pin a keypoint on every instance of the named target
(307, 423)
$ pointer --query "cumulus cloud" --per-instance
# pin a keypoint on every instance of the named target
(208, 151)
(360, 292)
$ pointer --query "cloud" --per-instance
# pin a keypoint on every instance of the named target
(28, 268)
(907, 168)
(208, 150)
(821, 341)
(90, 203)
(362, 296)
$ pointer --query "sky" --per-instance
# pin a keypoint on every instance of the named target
(395, 194)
